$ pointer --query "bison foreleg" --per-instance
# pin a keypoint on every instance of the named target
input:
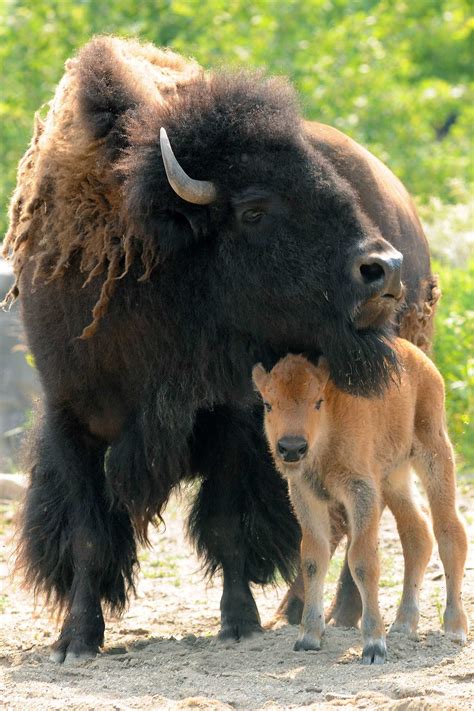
(220, 539)
(242, 521)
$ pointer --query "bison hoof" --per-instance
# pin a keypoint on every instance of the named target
(307, 644)
(374, 652)
(238, 629)
(72, 651)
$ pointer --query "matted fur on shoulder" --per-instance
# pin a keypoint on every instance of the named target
(66, 200)
(81, 183)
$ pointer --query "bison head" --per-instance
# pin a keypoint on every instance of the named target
(269, 234)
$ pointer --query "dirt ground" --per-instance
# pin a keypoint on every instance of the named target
(163, 653)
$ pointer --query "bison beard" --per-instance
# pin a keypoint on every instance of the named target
(146, 313)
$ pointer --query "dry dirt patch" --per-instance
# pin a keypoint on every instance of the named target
(163, 653)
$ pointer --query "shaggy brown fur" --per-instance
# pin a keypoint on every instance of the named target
(333, 446)
(83, 215)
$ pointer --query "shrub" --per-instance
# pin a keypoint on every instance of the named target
(454, 354)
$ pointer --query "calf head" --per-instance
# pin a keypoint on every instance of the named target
(292, 393)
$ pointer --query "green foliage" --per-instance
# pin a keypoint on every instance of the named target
(389, 72)
(454, 355)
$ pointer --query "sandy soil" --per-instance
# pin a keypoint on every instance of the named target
(163, 654)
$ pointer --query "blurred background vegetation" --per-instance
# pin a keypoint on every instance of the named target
(394, 74)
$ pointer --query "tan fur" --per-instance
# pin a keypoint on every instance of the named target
(83, 217)
(361, 451)
(417, 322)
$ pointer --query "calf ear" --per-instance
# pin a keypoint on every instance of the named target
(323, 371)
(259, 376)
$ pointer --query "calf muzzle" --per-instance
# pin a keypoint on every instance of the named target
(292, 449)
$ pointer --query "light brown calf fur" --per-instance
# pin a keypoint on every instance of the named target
(334, 447)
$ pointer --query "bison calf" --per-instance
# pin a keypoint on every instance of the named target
(330, 445)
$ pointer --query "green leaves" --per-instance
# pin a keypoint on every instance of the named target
(394, 75)
(454, 354)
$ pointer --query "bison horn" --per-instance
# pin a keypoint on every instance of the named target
(199, 192)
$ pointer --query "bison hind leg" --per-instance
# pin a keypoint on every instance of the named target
(75, 546)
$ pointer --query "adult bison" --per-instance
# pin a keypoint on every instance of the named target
(148, 296)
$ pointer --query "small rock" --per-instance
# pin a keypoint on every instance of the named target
(189, 639)
(313, 689)
(119, 649)
(406, 692)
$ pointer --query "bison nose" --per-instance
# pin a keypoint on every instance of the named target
(292, 449)
(380, 272)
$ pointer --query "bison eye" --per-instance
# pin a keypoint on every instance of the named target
(267, 406)
(253, 216)
(318, 404)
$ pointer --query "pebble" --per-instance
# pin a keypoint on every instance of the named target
(333, 697)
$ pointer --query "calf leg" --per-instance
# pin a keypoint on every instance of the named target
(417, 544)
(315, 555)
(74, 545)
(346, 607)
(435, 466)
(363, 507)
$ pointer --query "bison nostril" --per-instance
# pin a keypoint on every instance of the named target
(380, 272)
(371, 272)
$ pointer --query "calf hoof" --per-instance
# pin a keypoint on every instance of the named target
(306, 644)
(404, 628)
(235, 630)
(374, 652)
(406, 621)
(455, 625)
(458, 636)
(72, 651)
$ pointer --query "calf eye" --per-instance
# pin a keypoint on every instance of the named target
(252, 216)
(318, 404)
(267, 406)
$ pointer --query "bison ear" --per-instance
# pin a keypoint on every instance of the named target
(107, 90)
(176, 229)
(259, 376)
